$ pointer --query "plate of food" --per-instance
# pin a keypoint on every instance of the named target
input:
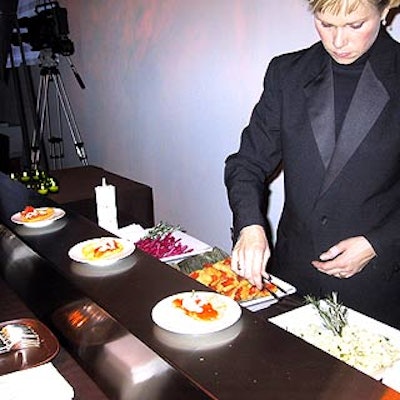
(196, 312)
(101, 251)
(220, 277)
(24, 357)
(354, 338)
(192, 245)
(164, 241)
(37, 217)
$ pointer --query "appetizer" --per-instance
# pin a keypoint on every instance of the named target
(32, 214)
(199, 308)
(161, 243)
(101, 249)
(366, 349)
(220, 277)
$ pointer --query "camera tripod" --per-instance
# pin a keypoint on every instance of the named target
(50, 73)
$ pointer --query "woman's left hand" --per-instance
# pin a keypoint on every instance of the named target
(346, 258)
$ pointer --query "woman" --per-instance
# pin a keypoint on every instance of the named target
(330, 115)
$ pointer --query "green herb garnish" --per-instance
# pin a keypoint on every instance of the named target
(161, 229)
(333, 313)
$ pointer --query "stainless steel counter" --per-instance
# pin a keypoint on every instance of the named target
(127, 354)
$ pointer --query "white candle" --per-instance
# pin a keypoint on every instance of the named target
(106, 206)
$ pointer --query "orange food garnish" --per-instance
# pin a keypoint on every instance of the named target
(32, 214)
(27, 209)
(207, 313)
(101, 249)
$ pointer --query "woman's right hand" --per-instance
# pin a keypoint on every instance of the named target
(251, 254)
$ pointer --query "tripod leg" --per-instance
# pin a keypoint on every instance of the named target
(69, 116)
(21, 109)
(56, 142)
(30, 91)
(41, 110)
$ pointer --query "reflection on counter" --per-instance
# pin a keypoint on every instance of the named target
(130, 358)
(122, 362)
(198, 342)
(131, 369)
(44, 230)
(93, 271)
(86, 324)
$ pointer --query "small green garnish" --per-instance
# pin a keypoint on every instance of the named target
(333, 313)
(161, 229)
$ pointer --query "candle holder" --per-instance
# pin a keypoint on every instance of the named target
(36, 180)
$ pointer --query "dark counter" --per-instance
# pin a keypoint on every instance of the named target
(253, 359)
(11, 308)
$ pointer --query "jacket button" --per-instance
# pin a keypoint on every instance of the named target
(324, 220)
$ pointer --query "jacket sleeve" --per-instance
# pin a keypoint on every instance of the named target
(385, 236)
(259, 155)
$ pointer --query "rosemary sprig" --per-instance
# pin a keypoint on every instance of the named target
(333, 313)
(161, 229)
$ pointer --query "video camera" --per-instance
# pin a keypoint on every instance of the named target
(48, 29)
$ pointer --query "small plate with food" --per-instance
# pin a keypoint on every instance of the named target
(101, 251)
(37, 217)
(196, 312)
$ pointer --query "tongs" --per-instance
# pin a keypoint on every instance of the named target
(269, 279)
(17, 336)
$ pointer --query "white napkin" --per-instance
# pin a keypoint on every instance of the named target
(38, 383)
(133, 232)
(106, 206)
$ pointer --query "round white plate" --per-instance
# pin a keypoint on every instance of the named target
(75, 252)
(58, 213)
(167, 316)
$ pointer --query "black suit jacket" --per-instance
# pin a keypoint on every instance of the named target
(333, 189)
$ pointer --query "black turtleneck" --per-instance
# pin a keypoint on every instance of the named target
(345, 78)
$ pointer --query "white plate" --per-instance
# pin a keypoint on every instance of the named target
(58, 213)
(298, 320)
(197, 246)
(135, 232)
(75, 252)
(167, 316)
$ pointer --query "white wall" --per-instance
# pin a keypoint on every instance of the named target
(170, 86)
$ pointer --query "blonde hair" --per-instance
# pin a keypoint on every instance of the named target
(336, 5)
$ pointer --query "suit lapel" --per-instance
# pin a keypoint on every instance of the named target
(367, 104)
(320, 104)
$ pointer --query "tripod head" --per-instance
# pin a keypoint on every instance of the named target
(49, 61)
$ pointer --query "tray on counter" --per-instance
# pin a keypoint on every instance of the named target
(195, 263)
(20, 359)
